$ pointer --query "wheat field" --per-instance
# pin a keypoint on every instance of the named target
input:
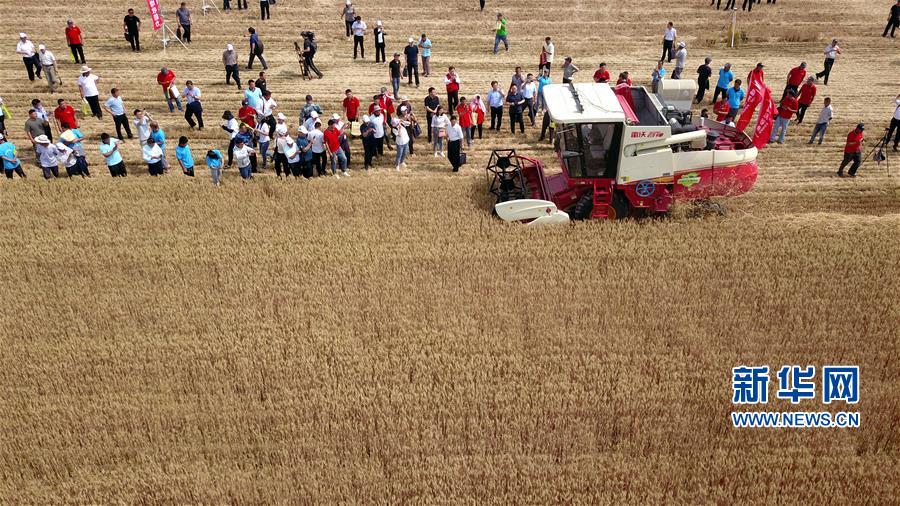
(383, 339)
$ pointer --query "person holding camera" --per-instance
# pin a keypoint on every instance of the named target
(895, 123)
(309, 52)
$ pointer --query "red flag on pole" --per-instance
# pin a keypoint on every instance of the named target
(754, 97)
(766, 120)
(155, 14)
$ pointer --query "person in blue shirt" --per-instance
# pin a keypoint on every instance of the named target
(543, 80)
(658, 74)
(735, 97)
(185, 157)
(425, 46)
(116, 108)
(304, 148)
(214, 162)
(253, 95)
(725, 78)
(256, 49)
(11, 164)
(495, 100)
(110, 151)
(412, 61)
(72, 138)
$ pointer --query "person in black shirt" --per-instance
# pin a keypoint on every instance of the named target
(309, 52)
(893, 20)
(516, 102)
(432, 102)
(132, 25)
(394, 67)
(703, 73)
(379, 42)
(412, 61)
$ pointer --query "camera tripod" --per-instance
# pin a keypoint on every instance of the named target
(881, 154)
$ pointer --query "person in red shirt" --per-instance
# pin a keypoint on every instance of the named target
(451, 80)
(721, 108)
(247, 114)
(351, 107)
(624, 78)
(786, 109)
(166, 79)
(601, 75)
(64, 113)
(807, 95)
(795, 79)
(758, 73)
(464, 112)
(73, 38)
(479, 108)
(852, 151)
(333, 143)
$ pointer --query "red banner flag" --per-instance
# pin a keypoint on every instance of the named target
(766, 120)
(754, 97)
(155, 14)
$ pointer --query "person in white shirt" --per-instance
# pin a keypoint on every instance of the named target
(193, 107)
(680, 60)
(311, 121)
(48, 65)
(377, 121)
(66, 156)
(317, 141)
(242, 155)
(400, 128)
(266, 110)
(142, 121)
(439, 125)
(548, 51)
(232, 127)
(262, 142)
(87, 85)
(831, 52)
(825, 118)
(529, 92)
(895, 124)
(358, 28)
(454, 143)
(153, 155)
(669, 42)
(25, 49)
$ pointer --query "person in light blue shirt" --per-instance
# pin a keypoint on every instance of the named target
(110, 151)
(543, 80)
(735, 97)
(11, 164)
(214, 162)
(253, 95)
(157, 134)
(495, 100)
(184, 156)
(725, 78)
(425, 46)
(116, 108)
(659, 73)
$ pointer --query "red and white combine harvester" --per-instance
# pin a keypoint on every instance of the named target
(622, 150)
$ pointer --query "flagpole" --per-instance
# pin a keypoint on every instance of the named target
(733, 24)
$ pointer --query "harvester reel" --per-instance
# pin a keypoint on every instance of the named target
(507, 181)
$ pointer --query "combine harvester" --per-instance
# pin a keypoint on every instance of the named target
(622, 150)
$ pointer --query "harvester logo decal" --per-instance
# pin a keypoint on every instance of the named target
(689, 179)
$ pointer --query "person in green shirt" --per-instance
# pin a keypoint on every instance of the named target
(500, 33)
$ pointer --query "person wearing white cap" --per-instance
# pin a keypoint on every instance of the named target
(400, 125)
(11, 163)
(48, 65)
(87, 85)
(229, 59)
(292, 153)
(310, 122)
(25, 49)
(349, 16)
(263, 138)
(305, 148)
(281, 131)
(379, 42)
(317, 141)
(412, 61)
(680, 60)
(359, 31)
(48, 155)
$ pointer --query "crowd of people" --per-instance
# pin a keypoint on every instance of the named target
(260, 133)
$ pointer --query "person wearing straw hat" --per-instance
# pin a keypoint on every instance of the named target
(229, 59)
(48, 65)
(73, 39)
(154, 157)
(48, 156)
(87, 86)
(25, 49)
(379, 42)
(11, 163)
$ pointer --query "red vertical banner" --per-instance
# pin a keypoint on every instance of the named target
(155, 14)
(766, 120)
(754, 97)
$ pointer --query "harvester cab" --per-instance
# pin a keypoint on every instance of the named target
(622, 149)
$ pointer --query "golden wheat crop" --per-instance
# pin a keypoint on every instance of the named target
(383, 339)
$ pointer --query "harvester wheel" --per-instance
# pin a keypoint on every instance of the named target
(582, 209)
(619, 207)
